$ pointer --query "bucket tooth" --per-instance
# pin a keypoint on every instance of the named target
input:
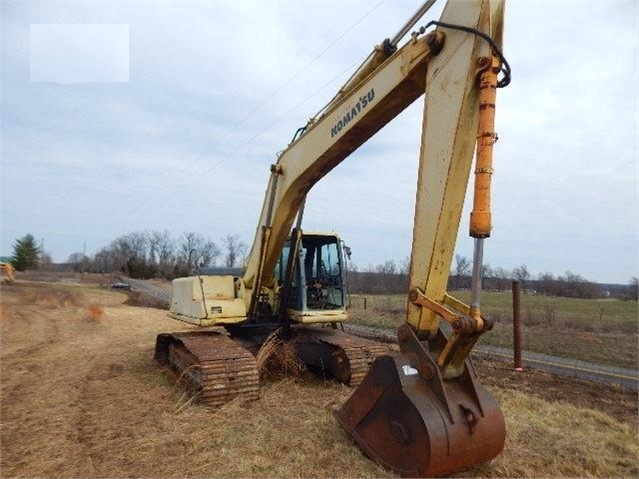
(397, 418)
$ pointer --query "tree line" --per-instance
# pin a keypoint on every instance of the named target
(154, 254)
(143, 255)
(159, 254)
(390, 277)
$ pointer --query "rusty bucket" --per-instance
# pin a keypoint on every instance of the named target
(408, 418)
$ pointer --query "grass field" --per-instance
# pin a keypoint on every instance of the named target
(602, 331)
(81, 397)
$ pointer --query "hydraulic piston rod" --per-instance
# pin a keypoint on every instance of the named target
(411, 23)
(480, 218)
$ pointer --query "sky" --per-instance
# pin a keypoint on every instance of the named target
(150, 115)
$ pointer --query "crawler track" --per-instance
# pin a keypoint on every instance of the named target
(220, 369)
(351, 355)
(217, 368)
(355, 354)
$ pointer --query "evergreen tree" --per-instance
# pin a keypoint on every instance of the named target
(25, 253)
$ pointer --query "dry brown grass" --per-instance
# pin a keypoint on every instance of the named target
(66, 278)
(6, 311)
(558, 439)
(278, 357)
(49, 299)
(95, 312)
(83, 401)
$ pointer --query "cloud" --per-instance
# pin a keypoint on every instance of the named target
(216, 89)
(79, 53)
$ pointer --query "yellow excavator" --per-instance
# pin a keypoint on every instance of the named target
(9, 271)
(421, 412)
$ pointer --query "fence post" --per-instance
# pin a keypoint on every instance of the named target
(517, 326)
(364, 302)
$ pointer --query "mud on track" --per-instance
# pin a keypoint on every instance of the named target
(81, 397)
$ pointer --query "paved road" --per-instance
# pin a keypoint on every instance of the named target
(626, 378)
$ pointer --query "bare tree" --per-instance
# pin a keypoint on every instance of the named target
(130, 253)
(502, 278)
(486, 275)
(210, 254)
(573, 285)
(103, 261)
(79, 261)
(137, 244)
(521, 274)
(462, 269)
(384, 278)
(388, 267)
(235, 250)
(162, 251)
(46, 261)
(189, 254)
(546, 283)
(404, 266)
(196, 250)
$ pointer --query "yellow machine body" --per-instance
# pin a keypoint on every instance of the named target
(317, 289)
(207, 300)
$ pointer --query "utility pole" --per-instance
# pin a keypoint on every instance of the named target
(84, 257)
(41, 253)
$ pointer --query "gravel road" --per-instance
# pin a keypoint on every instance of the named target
(158, 292)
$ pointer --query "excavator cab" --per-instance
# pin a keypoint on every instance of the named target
(317, 286)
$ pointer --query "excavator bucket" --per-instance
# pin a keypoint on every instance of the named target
(408, 418)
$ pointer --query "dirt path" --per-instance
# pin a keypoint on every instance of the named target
(81, 397)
